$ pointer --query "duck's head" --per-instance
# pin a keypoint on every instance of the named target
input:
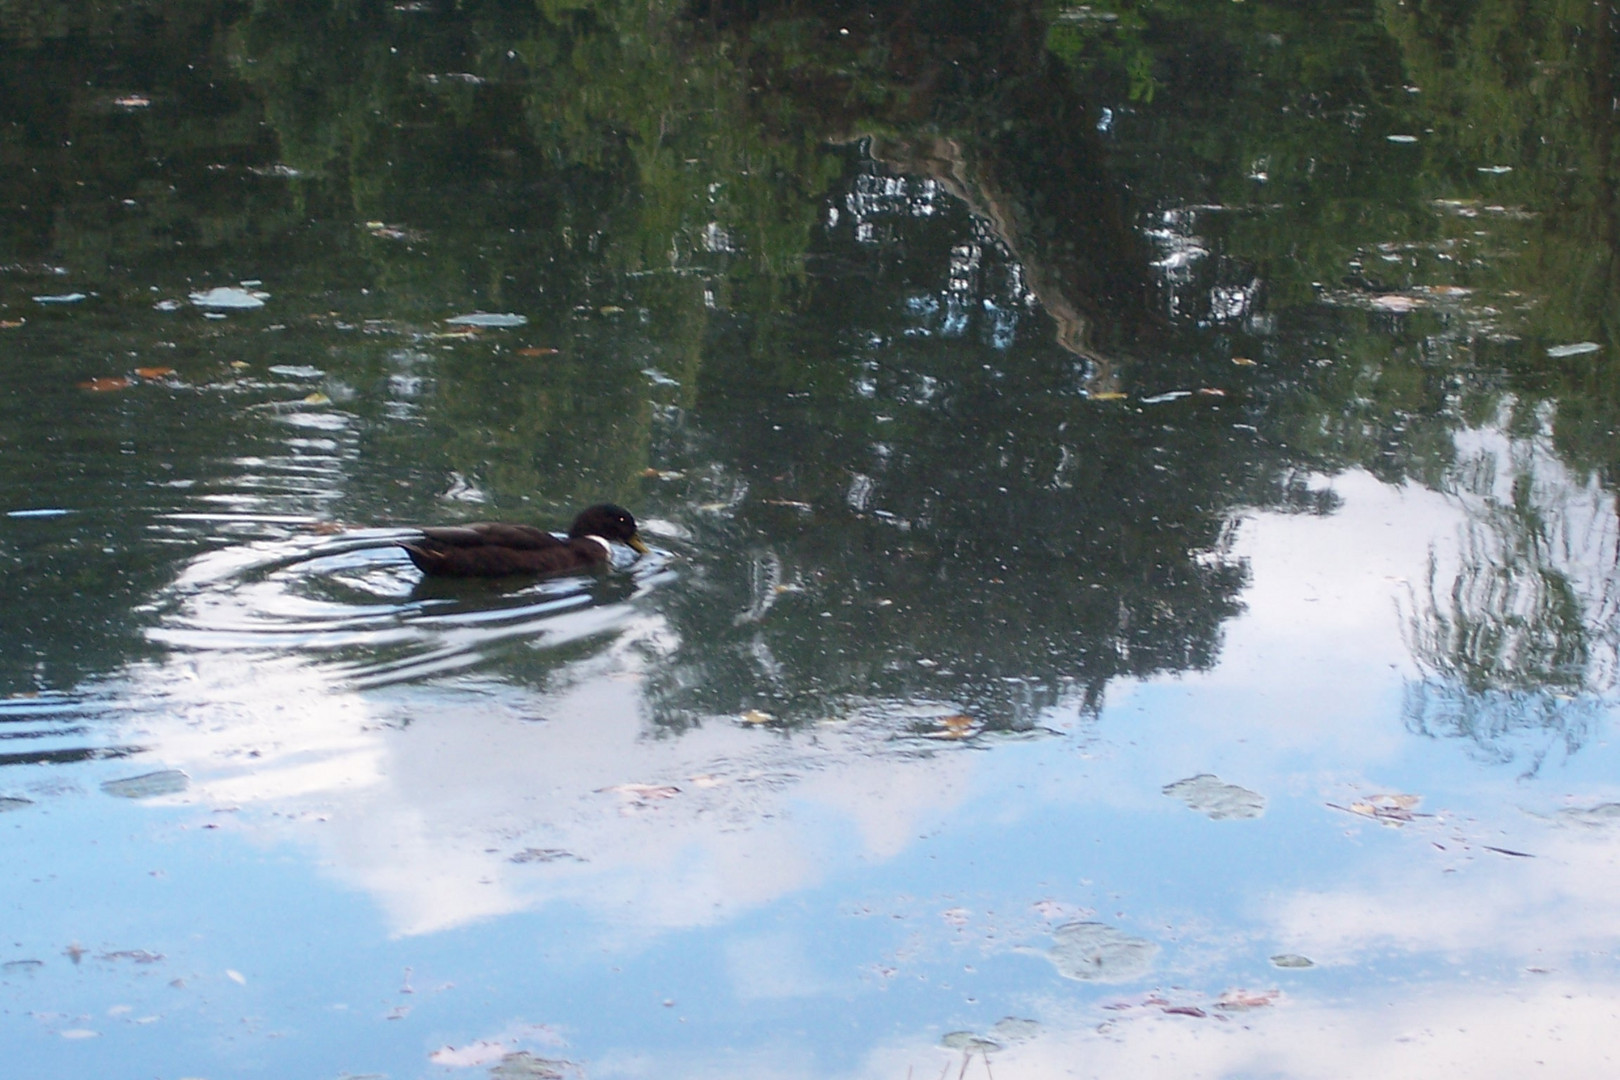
(610, 523)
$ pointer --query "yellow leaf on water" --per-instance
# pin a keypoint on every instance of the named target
(754, 716)
(1109, 395)
(317, 398)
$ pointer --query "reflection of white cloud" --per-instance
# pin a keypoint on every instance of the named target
(776, 965)
(421, 798)
(1311, 659)
(1540, 1027)
(1532, 911)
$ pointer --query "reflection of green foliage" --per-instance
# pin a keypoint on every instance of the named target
(1092, 40)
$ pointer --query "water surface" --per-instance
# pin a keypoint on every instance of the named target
(1132, 490)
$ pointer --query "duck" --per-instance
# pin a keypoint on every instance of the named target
(491, 549)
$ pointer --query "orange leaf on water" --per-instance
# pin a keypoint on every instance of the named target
(536, 351)
(105, 382)
(154, 372)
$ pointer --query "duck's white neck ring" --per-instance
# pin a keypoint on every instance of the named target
(607, 548)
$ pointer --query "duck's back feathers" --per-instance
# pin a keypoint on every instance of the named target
(502, 549)
(491, 534)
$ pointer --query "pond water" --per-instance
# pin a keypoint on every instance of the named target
(1134, 585)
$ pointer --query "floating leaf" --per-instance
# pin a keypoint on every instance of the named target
(754, 716)
(1210, 391)
(1015, 1028)
(523, 1065)
(229, 298)
(1109, 395)
(1237, 1000)
(1603, 815)
(642, 792)
(1391, 809)
(11, 324)
(1558, 352)
(533, 350)
(1242, 361)
(1097, 952)
(488, 319)
(544, 855)
(106, 382)
(147, 785)
(1214, 797)
(953, 727)
(154, 372)
(611, 309)
(317, 398)
(1292, 960)
(1397, 302)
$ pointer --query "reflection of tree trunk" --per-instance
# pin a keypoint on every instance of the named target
(969, 96)
(942, 160)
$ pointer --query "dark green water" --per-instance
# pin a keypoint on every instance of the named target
(1034, 409)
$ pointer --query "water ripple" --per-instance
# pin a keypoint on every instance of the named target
(354, 607)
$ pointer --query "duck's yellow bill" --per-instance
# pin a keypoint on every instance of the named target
(635, 542)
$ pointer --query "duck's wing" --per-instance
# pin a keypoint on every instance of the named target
(490, 534)
(464, 555)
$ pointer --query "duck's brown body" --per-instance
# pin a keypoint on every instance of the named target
(499, 549)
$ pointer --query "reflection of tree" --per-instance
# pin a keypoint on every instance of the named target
(1518, 636)
(646, 183)
(937, 512)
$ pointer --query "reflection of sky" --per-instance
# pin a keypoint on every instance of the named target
(819, 905)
